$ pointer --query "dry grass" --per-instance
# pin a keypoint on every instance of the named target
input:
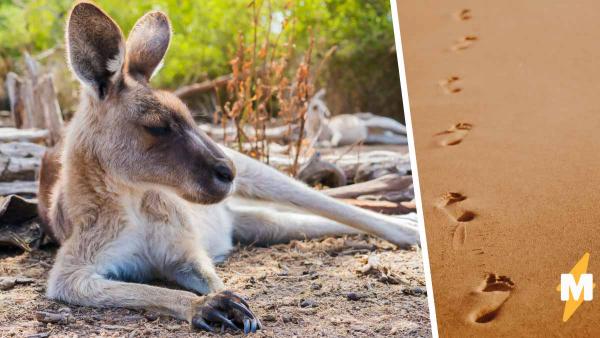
(268, 83)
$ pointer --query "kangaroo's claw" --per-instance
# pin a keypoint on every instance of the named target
(227, 309)
(199, 323)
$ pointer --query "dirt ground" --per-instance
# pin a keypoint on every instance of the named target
(302, 289)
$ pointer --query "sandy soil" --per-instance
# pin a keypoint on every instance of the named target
(504, 102)
(298, 290)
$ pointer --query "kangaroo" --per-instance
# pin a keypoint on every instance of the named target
(347, 129)
(137, 192)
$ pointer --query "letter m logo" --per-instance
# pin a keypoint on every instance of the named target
(568, 285)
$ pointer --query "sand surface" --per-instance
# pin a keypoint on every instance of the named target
(505, 103)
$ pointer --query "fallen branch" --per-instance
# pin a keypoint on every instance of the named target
(371, 164)
(7, 283)
(318, 171)
(202, 87)
(384, 207)
(28, 188)
(367, 171)
(373, 267)
(278, 134)
(18, 224)
(61, 317)
(380, 185)
(33, 100)
(20, 161)
(206, 86)
(23, 135)
(409, 204)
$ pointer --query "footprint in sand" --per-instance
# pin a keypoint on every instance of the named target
(449, 202)
(455, 134)
(477, 251)
(489, 297)
(451, 85)
(464, 15)
(464, 42)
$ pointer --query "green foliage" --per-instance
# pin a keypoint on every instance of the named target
(363, 75)
(203, 40)
(34, 26)
(205, 35)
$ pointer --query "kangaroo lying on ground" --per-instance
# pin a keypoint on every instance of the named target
(138, 192)
(347, 129)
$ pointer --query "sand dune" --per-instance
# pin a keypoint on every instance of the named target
(505, 103)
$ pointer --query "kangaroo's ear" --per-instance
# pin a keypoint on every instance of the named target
(96, 48)
(147, 44)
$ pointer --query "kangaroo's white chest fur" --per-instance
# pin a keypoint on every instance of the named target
(214, 225)
(159, 230)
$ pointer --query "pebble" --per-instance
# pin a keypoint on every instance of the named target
(416, 291)
(355, 296)
(7, 283)
(151, 316)
(269, 318)
(289, 319)
(308, 303)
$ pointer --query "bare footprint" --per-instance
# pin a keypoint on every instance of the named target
(451, 85)
(477, 251)
(455, 134)
(449, 202)
(464, 42)
(459, 235)
(464, 15)
(489, 297)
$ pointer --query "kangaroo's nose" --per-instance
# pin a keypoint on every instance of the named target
(225, 171)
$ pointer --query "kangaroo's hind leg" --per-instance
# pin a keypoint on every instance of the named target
(258, 181)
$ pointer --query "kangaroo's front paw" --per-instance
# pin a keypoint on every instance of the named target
(227, 309)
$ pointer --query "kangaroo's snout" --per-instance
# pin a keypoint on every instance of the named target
(209, 153)
(213, 172)
(225, 171)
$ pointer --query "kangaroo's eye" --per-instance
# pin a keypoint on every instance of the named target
(158, 130)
